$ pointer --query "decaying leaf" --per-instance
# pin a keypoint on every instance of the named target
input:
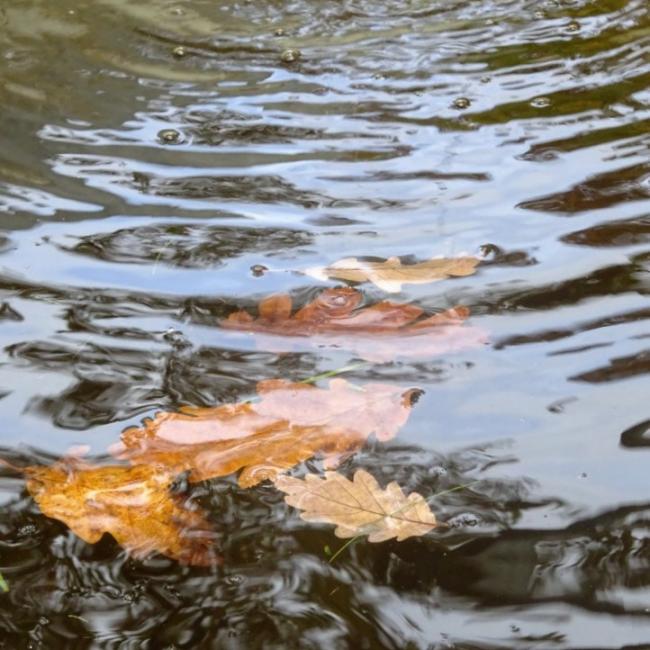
(289, 424)
(358, 507)
(133, 504)
(380, 332)
(391, 274)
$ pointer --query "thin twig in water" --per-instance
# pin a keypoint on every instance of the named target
(333, 373)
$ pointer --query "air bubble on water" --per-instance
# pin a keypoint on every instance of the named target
(290, 56)
(540, 102)
(258, 270)
(28, 530)
(462, 103)
(169, 136)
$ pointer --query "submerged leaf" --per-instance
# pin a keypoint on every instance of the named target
(289, 424)
(391, 274)
(358, 507)
(133, 504)
(380, 332)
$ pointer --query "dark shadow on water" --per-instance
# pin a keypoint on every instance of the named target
(64, 591)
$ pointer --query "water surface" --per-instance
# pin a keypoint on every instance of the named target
(516, 129)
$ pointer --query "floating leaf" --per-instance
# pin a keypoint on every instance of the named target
(391, 274)
(380, 332)
(358, 507)
(289, 424)
(133, 504)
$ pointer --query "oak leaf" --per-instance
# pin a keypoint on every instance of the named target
(358, 507)
(133, 504)
(391, 274)
(290, 423)
(380, 332)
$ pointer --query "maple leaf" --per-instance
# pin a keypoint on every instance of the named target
(358, 507)
(133, 504)
(380, 332)
(391, 274)
(290, 423)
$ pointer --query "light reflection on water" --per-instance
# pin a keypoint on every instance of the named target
(412, 128)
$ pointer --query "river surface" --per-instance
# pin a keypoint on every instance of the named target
(140, 182)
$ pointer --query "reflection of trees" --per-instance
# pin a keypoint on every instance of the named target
(122, 361)
(114, 382)
(275, 584)
(597, 192)
(187, 245)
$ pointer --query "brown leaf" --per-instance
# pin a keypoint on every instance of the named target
(380, 332)
(133, 504)
(358, 507)
(391, 274)
(289, 424)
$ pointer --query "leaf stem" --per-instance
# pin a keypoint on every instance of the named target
(342, 548)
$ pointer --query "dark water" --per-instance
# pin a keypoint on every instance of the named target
(406, 128)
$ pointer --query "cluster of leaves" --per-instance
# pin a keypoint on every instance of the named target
(290, 423)
(287, 424)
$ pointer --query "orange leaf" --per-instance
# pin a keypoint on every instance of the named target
(133, 504)
(289, 424)
(380, 332)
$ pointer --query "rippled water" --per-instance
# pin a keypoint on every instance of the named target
(410, 128)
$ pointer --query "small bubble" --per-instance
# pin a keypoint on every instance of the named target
(539, 15)
(258, 270)
(179, 52)
(540, 102)
(279, 32)
(485, 80)
(461, 103)
(28, 530)
(290, 56)
(582, 475)
(43, 620)
(235, 580)
(169, 136)
(515, 629)
(573, 26)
